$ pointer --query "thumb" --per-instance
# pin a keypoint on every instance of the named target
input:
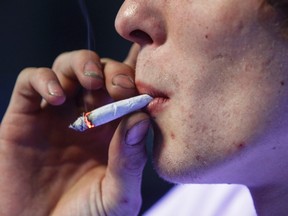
(127, 158)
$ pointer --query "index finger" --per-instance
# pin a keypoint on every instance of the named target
(131, 58)
(82, 66)
(120, 76)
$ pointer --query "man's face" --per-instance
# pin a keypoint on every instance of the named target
(213, 66)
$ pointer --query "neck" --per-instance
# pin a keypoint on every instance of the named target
(262, 168)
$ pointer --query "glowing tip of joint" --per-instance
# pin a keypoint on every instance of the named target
(88, 123)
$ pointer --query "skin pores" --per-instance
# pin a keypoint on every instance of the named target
(222, 68)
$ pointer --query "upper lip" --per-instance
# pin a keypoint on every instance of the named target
(150, 90)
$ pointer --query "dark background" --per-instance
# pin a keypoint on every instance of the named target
(33, 33)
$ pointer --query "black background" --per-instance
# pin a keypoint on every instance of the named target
(33, 33)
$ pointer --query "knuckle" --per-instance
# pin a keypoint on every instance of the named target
(134, 163)
(84, 55)
(33, 73)
(42, 73)
(36, 76)
(59, 59)
(26, 71)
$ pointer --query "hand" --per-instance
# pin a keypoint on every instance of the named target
(48, 169)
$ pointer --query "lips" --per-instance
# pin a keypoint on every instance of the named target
(160, 100)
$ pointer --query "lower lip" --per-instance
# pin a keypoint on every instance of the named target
(156, 105)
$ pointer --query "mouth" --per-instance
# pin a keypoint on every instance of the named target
(159, 102)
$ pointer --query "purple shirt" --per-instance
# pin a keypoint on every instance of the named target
(205, 200)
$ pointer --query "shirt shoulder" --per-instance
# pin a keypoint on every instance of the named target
(205, 200)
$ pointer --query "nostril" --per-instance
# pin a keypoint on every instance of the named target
(141, 37)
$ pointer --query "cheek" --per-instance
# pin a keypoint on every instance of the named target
(214, 116)
(209, 121)
(203, 27)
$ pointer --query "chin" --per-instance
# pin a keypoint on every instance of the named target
(176, 171)
(180, 169)
(181, 162)
(176, 167)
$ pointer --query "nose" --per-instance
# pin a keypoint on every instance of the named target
(141, 22)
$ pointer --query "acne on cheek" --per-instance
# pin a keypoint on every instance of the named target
(199, 158)
(236, 147)
(172, 135)
(241, 146)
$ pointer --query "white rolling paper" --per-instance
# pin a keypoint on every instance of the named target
(110, 112)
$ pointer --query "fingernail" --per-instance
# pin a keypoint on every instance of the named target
(137, 133)
(54, 89)
(91, 69)
(123, 81)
